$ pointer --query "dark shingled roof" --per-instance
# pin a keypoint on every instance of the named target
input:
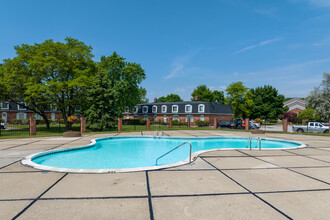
(210, 108)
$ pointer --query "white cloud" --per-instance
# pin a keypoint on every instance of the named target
(263, 43)
(179, 64)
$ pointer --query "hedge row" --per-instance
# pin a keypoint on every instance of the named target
(202, 123)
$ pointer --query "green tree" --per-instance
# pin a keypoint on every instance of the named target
(219, 97)
(240, 98)
(206, 95)
(102, 113)
(203, 93)
(319, 98)
(268, 104)
(170, 98)
(308, 114)
(49, 73)
(116, 88)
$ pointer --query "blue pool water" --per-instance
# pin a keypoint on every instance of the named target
(130, 152)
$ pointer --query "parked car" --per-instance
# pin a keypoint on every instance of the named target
(325, 124)
(253, 125)
(2, 125)
(224, 124)
(238, 124)
(312, 127)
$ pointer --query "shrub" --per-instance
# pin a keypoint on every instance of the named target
(290, 116)
(177, 123)
(134, 121)
(258, 120)
(1, 120)
(19, 121)
(202, 123)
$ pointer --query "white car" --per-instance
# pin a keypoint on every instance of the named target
(2, 125)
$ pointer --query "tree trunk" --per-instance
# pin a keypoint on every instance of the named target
(46, 121)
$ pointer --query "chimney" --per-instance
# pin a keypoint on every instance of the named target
(196, 98)
(155, 100)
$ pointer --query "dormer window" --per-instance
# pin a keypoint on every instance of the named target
(154, 109)
(188, 108)
(164, 108)
(21, 106)
(201, 108)
(5, 105)
(145, 109)
(175, 109)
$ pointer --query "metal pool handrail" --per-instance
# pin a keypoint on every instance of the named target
(175, 149)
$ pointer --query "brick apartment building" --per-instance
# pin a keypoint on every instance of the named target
(182, 111)
(295, 105)
(10, 111)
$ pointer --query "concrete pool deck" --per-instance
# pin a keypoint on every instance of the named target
(231, 184)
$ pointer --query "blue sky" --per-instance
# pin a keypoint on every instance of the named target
(185, 43)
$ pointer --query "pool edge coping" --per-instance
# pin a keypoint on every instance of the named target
(27, 161)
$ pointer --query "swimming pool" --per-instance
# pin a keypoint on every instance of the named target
(132, 153)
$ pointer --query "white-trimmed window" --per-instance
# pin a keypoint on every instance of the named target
(37, 116)
(145, 117)
(21, 107)
(5, 105)
(155, 118)
(202, 117)
(154, 109)
(127, 116)
(21, 115)
(145, 109)
(136, 109)
(176, 118)
(188, 108)
(175, 109)
(52, 116)
(190, 117)
(201, 108)
(165, 118)
(164, 108)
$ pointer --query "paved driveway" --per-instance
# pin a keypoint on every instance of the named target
(233, 184)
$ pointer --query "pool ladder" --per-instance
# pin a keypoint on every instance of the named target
(249, 142)
(175, 149)
(161, 133)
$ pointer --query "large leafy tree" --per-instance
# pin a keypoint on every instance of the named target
(115, 88)
(267, 103)
(207, 95)
(170, 98)
(240, 98)
(49, 73)
(319, 98)
(219, 97)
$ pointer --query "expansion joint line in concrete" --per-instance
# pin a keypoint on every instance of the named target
(287, 168)
(28, 206)
(21, 145)
(296, 154)
(252, 193)
(188, 133)
(149, 197)
(64, 144)
(9, 164)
